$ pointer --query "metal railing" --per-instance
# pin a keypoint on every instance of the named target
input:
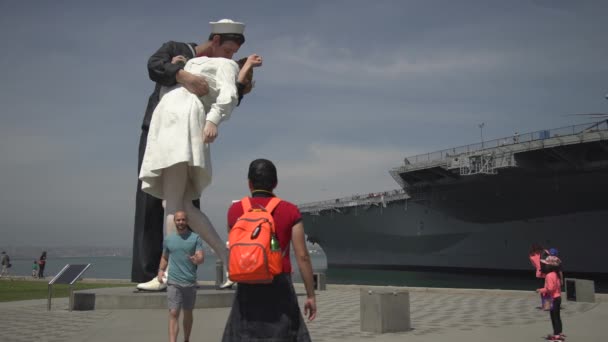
(512, 140)
(354, 200)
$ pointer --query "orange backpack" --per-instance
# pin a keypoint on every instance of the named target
(255, 254)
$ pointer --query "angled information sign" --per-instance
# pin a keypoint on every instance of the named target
(68, 275)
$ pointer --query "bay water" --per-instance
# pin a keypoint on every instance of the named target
(116, 267)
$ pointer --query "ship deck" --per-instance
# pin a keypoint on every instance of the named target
(490, 157)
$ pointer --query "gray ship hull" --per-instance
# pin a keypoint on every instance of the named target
(393, 237)
(483, 216)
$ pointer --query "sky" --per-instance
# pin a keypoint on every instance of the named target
(347, 90)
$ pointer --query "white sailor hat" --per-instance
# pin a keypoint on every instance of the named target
(227, 26)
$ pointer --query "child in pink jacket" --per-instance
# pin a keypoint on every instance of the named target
(553, 290)
(534, 255)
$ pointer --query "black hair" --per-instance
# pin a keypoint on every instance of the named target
(554, 268)
(535, 248)
(233, 37)
(244, 88)
(262, 174)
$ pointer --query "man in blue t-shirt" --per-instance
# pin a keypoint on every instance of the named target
(182, 252)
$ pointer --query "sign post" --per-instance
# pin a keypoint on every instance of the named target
(68, 275)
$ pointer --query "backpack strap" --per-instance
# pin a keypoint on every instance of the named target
(272, 204)
(246, 203)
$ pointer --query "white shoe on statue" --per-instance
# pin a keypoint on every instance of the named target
(227, 284)
(153, 285)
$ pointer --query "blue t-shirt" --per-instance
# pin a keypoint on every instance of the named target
(179, 248)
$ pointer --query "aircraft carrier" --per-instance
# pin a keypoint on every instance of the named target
(479, 207)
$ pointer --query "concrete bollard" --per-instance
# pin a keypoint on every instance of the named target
(219, 273)
(580, 290)
(319, 281)
(83, 301)
(384, 310)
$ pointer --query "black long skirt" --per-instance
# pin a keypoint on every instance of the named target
(266, 312)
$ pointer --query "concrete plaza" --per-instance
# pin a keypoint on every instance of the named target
(436, 314)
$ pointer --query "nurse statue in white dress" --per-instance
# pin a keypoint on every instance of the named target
(177, 163)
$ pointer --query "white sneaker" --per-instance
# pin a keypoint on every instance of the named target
(227, 284)
(153, 285)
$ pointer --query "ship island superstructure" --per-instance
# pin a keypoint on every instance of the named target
(478, 206)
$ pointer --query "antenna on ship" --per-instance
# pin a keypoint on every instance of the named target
(481, 125)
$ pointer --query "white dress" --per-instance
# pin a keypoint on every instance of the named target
(176, 129)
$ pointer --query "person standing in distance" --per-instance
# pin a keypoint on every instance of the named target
(41, 265)
(6, 264)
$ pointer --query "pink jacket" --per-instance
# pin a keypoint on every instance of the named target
(535, 261)
(553, 286)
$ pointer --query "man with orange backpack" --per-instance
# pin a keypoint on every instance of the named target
(260, 229)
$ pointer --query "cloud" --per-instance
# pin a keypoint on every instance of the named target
(68, 202)
(310, 59)
(312, 172)
(29, 147)
(319, 170)
(334, 170)
(55, 191)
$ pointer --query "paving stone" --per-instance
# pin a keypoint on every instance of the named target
(338, 318)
